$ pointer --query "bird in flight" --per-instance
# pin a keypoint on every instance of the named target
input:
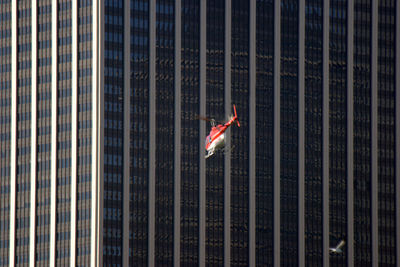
(338, 248)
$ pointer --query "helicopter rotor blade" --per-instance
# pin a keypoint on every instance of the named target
(208, 119)
(204, 118)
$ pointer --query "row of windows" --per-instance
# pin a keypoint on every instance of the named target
(24, 65)
(5, 85)
(111, 3)
(63, 181)
(44, 27)
(112, 250)
(20, 259)
(6, 119)
(5, 50)
(24, 134)
(43, 203)
(42, 10)
(62, 253)
(23, 222)
(27, 47)
(112, 214)
(115, 20)
(85, 55)
(114, 36)
(44, 130)
(87, 195)
(137, 39)
(46, 183)
(85, 250)
(5, 33)
(111, 54)
(5, 16)
(25, 30)
(5, 102)
(82, 20)
(82, 90)
(24, 99)
(4, 189)
(63, 217)
(43, 255)
(63, 6)
(22, 82)
(43, 238)
(84, 214)
(63, 41)
(4, 243)
(5, 171)
(5, 68)
(85, 37)
(84, 3)
(64, 163)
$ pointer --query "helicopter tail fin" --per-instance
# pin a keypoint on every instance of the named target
(236, 117)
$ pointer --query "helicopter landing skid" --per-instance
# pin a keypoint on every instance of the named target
(223, 150)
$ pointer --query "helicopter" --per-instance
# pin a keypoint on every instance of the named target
(216, 139)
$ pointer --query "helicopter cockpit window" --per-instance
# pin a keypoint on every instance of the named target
(208, 139)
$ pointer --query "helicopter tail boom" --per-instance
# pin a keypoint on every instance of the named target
(236, 117)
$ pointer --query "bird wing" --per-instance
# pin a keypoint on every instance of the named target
(341, 243)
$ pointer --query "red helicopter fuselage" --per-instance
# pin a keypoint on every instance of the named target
(216, 139)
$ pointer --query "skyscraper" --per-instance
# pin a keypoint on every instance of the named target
(102, 154)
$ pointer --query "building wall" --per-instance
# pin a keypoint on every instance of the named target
(215, 107)
(337, 125)
(113, 132)
(296, 68)
(386, 133)
(139, 133)
(362, 133)
(64, 129)
(190, 107)
(5, 130)
(264, 133)
(313, 132)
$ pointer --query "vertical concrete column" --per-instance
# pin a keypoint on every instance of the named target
(252, 133)
(100, 132)
(32, 226)
(97, 144)
(202, 174)
(277, 133)
(53, 167)
(301, 140)
(126, 142)
(152, 130)
(374, 134)
(350, 134)
(13, 151)
(177, 135)
(74, 127)
(397, 157)
(325, 135)
(228, 111)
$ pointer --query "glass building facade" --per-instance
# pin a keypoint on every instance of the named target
(102, 152)
(313, 132)
(264, 134)
(64, 127)
(362, 133)
(215, 108)
(190, 132)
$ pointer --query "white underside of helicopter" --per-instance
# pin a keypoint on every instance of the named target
(216, 145)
